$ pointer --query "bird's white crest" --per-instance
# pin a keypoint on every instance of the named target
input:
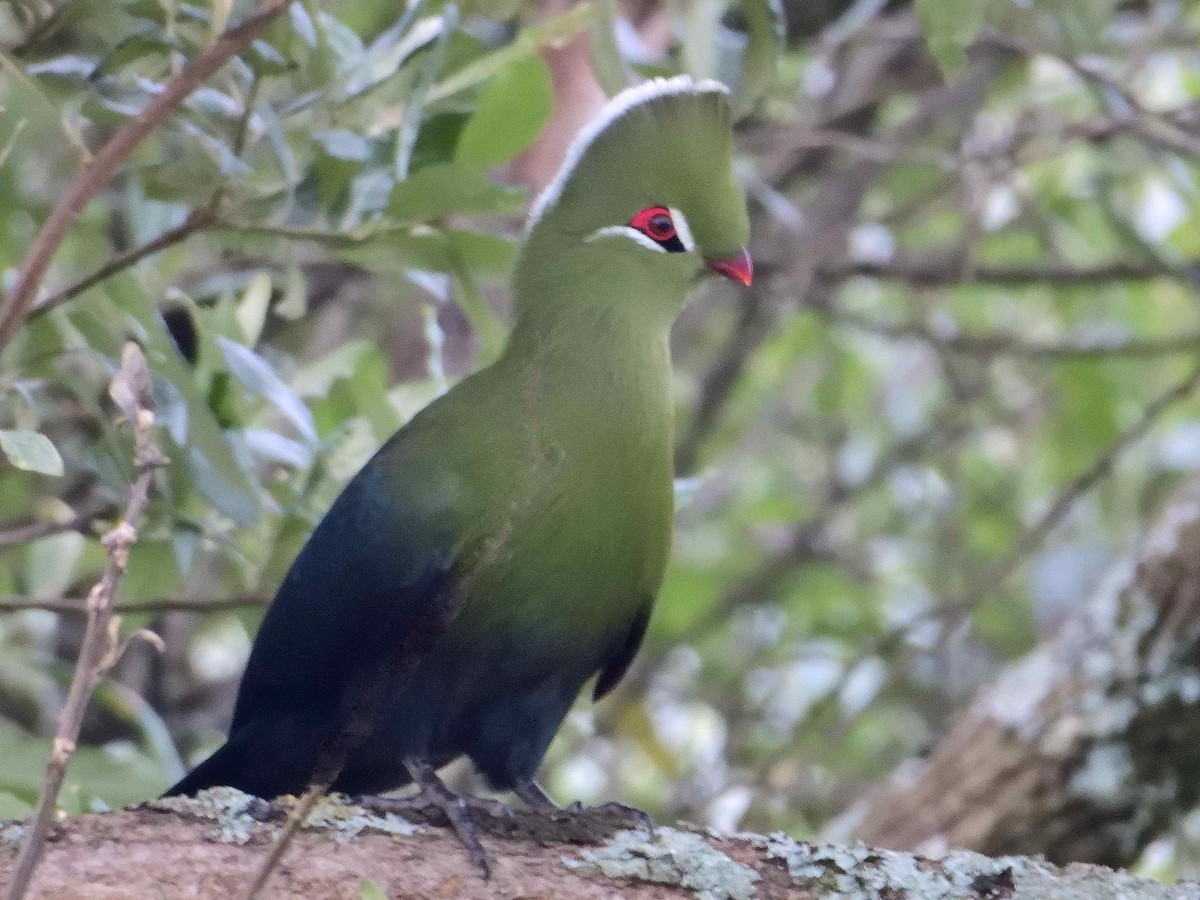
(614, 109)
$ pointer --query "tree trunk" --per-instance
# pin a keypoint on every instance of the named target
(213, 845)
(1087, 748)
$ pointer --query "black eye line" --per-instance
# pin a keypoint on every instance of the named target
(672, 244)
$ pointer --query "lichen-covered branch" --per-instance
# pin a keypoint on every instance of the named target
(208, 846)
(1088, 747)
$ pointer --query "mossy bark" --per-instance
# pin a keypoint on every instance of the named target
(212, 846)
(1085, 750)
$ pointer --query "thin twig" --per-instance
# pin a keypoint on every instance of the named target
(131, 391)
(40, 29)
(385, 658)
(15, 535)
(96, 173)
(1005, 344)
(198, 220)
(77, 606)
(1150, 125)
(304, 805)
(938, 271)
(1028, 542)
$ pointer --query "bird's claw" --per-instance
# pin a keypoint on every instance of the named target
(612, 814)
(616, 812)
(455, 811)
(459, 811)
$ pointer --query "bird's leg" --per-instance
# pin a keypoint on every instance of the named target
(455, 808)
(535, 797)
(433, 792)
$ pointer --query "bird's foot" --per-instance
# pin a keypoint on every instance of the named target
(605, 817)
(436, 804)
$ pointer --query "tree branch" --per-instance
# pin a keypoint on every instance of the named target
(197, 220)
(1064, 501)
(77, 606)
(14, 535)
(1006, 344)
(131, 391)
(826, 219)
(97, 172)
(206, 847)
(1085, 749)
(934, 271)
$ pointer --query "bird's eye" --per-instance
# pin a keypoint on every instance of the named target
(656, 223)
(659, 227)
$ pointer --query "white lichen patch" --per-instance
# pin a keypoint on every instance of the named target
(857, 872)
(671, 857)
(1105, 776)
(347, 820)
(228, 807)
(1018, 696)
(234, 813)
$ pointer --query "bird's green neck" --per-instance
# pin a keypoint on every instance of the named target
(600, 288)
(590, 341)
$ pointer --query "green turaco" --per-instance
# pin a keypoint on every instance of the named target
(533, 501)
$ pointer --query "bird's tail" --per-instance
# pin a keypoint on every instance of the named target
(253, 762)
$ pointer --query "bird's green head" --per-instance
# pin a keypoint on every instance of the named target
(645, 203)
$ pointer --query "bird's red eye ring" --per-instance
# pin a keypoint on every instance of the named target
(655, 222)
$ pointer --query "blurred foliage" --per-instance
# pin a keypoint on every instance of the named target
(887, 441)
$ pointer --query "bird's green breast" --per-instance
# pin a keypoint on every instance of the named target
(555, 467)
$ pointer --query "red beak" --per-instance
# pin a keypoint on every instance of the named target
(738, 267)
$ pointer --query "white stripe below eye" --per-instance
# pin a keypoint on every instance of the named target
(681, 229)
(625, 231)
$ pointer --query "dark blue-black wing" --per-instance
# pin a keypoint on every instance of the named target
(619, 661)
(372, 585)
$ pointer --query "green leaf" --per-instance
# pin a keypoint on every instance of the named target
(265, 59)
(418, 96)
(608, 64)
(487, 256)
(512, 111)
(553, 33)
(369, 889)
(390, 50)
(13, 807)
(252, 310)
(54, 562)
(135, 47)
(447, 189)
(31, 451)
(765, 31)
(153, 572)
(950, 26)
(316, 378)
(210, 459)
(95, 773)
(260, 379)
(340, 143)
(479, 313)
